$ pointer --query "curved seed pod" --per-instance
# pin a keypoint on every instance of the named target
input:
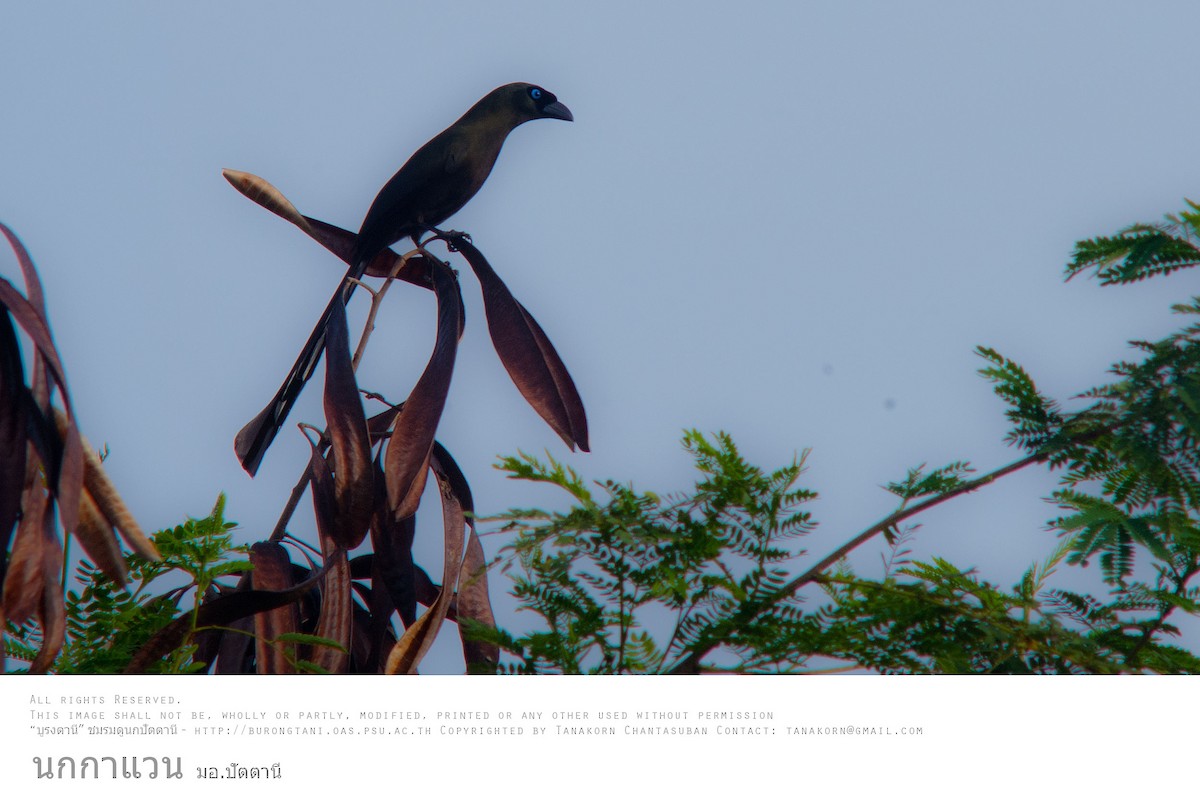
(472, 601)
(350, 447)
(25, 582)
(52, 612)
(65, 463)
(526, 352)
(233, 654)
(267, 196)
(13, 414)
(110, 504)
(406, 459)
(273, 572)
(338, 241)
(98, 540)
(107, 499)
(412, 647)
(224, 610)
(333, 527)
(475, 605)
(392, 567)
(336, 611)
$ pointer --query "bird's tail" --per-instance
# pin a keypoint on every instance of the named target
(252, 441)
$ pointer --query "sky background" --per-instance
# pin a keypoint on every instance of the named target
(789, 221)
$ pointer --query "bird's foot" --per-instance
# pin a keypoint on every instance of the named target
(449, 237)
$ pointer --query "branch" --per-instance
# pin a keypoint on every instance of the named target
(376, 300)
(690, 664)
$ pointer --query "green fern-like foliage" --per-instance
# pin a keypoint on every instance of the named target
(934, 617)
(1036, 418)
(1133, 484)
(627, 583)
(107, 623)
(921, 483)
(1140, 251)
(937, 618)
(635, 583)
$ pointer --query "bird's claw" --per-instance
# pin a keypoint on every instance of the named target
(449, 237)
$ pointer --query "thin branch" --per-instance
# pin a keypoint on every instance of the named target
(690, 664)
(289, 508)
(899, 516)
(376, 299)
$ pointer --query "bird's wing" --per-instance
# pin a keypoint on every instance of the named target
(456, 155)
(413, 192)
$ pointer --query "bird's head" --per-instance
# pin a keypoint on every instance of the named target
(532, 102)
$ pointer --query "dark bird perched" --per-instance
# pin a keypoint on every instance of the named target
(432, 185)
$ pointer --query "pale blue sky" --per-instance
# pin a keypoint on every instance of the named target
(791, 221)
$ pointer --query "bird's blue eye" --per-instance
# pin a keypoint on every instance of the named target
(535, 93)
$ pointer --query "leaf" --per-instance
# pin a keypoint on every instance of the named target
(406, 459)
(309, 639)
(526, 352)
(918, 483)
(1135, 254)
(350, 447)
(1035, 417)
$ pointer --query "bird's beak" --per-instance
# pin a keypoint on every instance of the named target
(557, 110)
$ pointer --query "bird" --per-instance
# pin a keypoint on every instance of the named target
(436, 181)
